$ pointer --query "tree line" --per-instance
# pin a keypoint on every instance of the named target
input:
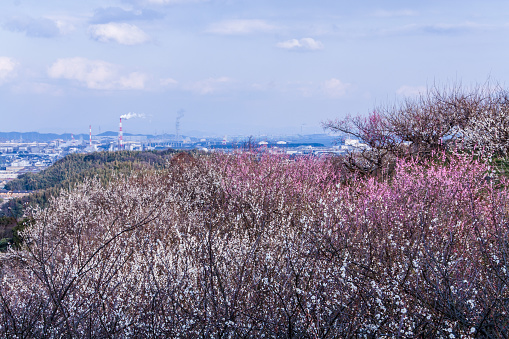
(65, 174)
(73, 169)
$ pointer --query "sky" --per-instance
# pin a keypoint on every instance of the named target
(235, 67)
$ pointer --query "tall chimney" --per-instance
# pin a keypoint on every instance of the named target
(120, 136)
(90, 128)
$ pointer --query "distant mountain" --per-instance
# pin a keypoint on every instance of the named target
(114, 134)
(108, 134)
(324, 139)
(38, 137)
(46, 137)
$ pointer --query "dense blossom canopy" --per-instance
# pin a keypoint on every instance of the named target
(449, 118)
(251, 245)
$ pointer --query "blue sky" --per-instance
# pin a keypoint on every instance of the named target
(235, 66)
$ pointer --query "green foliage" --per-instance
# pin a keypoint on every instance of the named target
(16, 231)
(501, 165)
(7, 226)
(6, 221)
(73, 169)
(4, 243)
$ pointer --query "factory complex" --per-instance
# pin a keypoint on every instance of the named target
(29, 154)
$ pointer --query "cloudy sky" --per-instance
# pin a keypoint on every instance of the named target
(235, 66)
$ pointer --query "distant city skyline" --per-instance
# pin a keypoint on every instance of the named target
(234, 67)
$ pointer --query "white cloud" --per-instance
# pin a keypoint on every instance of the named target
(168, 82)
(167, 2)
(106, 15)
(210, 85)
(410, 91)
(65, 25)
(122, 33)
(309, 44)
(389, 14)
(135, 80)
(7, 68)
(234, 27)
(96, 74)
(335, 88)
(304, 88)
(271, 85)
(438, 29)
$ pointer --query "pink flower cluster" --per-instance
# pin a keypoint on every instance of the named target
(252, 245)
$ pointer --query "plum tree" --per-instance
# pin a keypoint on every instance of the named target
(452, 117)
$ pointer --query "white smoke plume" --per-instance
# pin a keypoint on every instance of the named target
(180, 113)
(132, 116)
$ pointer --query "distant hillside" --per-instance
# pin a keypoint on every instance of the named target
(46, 137)
(324, 139)
(38, 137)
(73, 169)
(114, 134)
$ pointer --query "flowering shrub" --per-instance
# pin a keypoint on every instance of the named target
(442, 118)
(250, 245)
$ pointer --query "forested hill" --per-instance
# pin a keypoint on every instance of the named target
(74, 168)
(38, 137)
(47, 137)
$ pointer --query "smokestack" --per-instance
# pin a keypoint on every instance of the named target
(180, 114)
(120, 136)
(90, 128)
